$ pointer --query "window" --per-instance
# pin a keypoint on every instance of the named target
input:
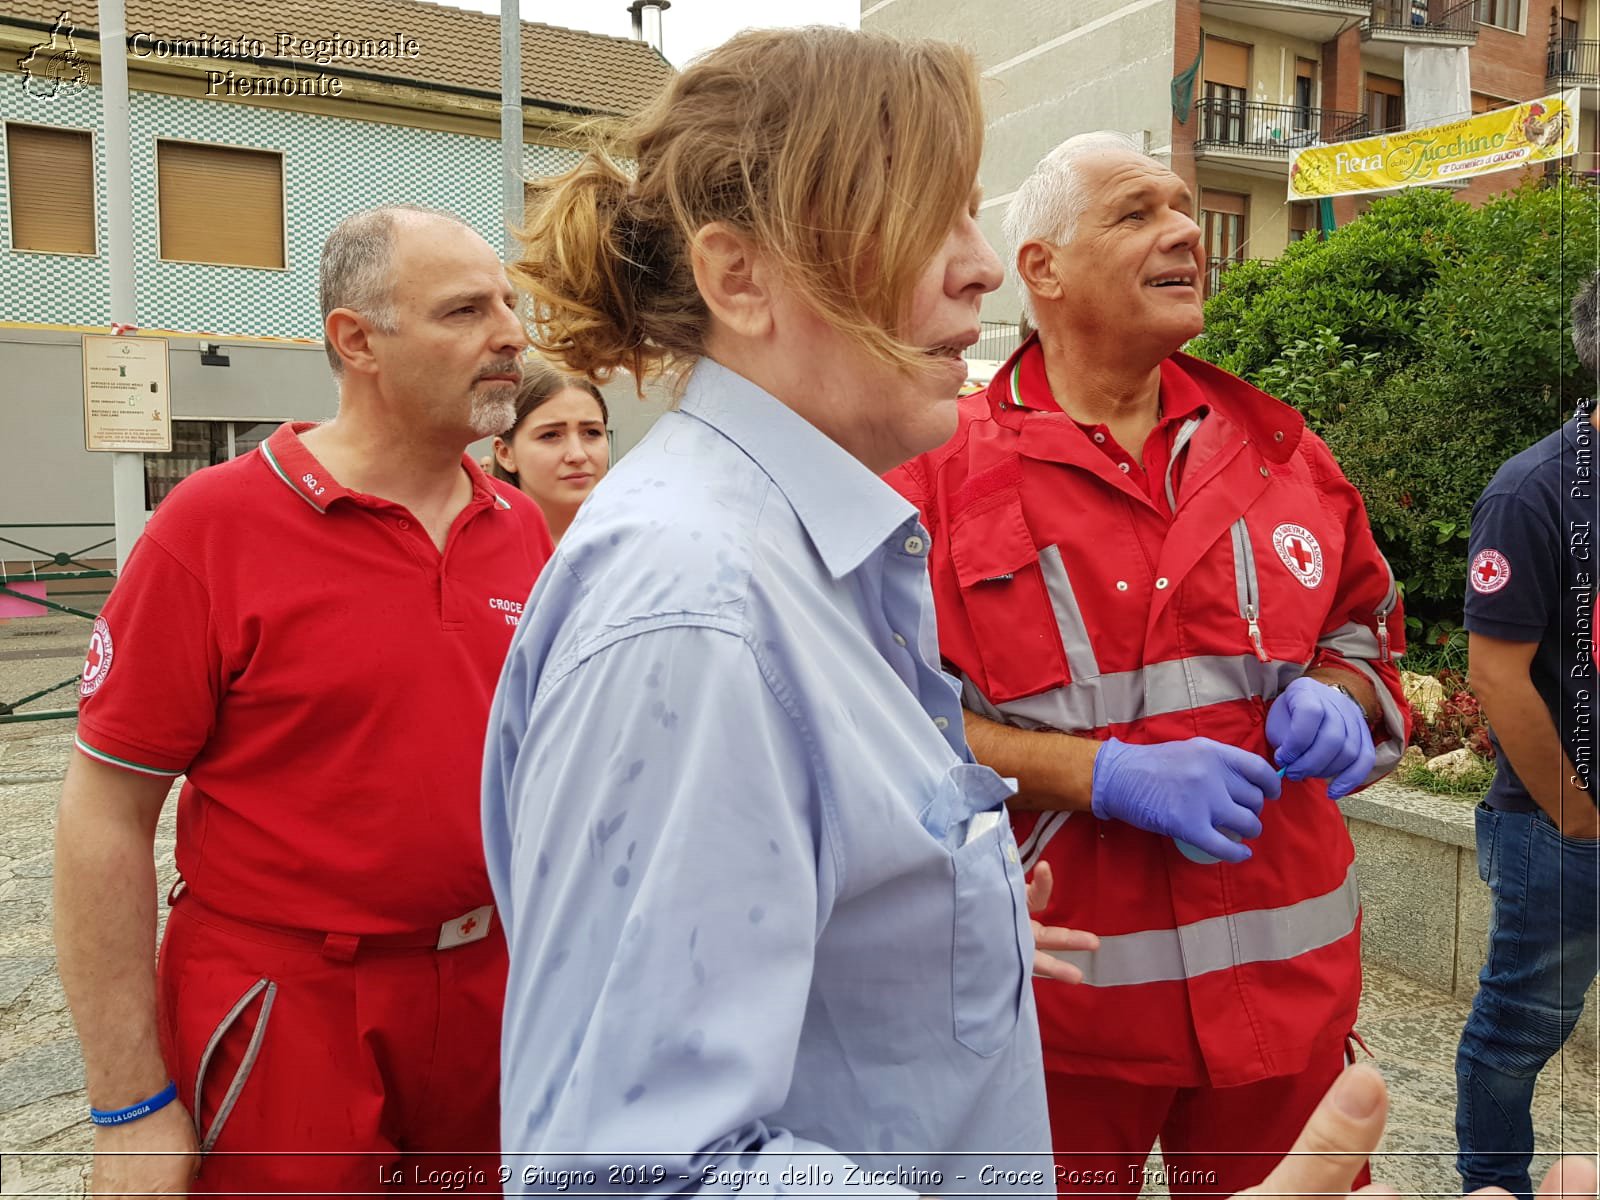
(1564, 54)
(52, 189)
(1386, 105)
(217, 204)
(1305, 91)
(1507, 14)
(1222, 226)
(1226, 78)
(197, 444)
(1303, 220)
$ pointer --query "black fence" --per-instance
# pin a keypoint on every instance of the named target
(1569, 60)
(1270, 130)
(1423, 19)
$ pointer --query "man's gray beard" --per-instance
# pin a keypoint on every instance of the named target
(494, 412)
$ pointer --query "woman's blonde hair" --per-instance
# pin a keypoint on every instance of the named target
(847, 156)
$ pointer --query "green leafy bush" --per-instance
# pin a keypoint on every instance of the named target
(1427, 341)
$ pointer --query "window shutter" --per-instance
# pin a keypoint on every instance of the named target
(1227, 63)
(220, 205)
(52, 189)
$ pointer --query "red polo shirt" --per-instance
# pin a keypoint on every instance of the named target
(1181, 399)
(322, 675)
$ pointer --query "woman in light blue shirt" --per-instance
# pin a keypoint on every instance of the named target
(768, 931)
(767, 925)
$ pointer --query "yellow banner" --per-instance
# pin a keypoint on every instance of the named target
(1501, 140)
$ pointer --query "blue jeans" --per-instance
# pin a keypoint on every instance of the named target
(1542, 958)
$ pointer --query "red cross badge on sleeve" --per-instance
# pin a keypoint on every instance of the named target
(1489, 572)
(1300, 551)
(97, 663)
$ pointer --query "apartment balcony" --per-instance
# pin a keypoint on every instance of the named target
(1392, 25)
(1313, 20)
(1258, 136)
(1572, 63)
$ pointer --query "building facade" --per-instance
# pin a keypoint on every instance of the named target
(1224, 90)
(251, 136)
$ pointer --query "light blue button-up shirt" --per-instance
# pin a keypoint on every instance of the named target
(768, 931)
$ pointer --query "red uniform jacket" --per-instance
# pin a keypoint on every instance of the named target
(1068, 600)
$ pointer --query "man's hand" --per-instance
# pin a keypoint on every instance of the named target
(1191, 790)
(1054, 937)
(1320, 733)
(155, 1155)
(1345, 1129)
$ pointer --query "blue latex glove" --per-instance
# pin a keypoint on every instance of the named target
(1194, 790)
(1320, 733)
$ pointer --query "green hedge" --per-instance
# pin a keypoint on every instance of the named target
(1427, 341)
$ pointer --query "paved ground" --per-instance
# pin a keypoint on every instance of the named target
(1412, 1031)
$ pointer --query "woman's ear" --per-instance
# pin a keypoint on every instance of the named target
(503, 456)
(735, 279)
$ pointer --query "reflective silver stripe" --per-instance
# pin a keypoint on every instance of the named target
(1217, 943)
(1045, 828)
(236, 1085)
(1185, 432)
(1394, 724)
(1352, 640)
(1244, 569)
(1069, 617)
(1177, 685)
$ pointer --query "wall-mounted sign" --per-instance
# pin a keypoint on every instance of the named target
(127, 401)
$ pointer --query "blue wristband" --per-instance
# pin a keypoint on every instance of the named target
(121, 1116)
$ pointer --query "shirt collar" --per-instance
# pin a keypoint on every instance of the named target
(846, 510)
(1188, 384)
(287, 457)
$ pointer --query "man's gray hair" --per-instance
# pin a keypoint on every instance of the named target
(357, 266)
(1051, 200)
(1585, 334)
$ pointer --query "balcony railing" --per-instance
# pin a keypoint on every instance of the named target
(1570, 61)
(1422, 20)
(1270, 130)
(1216, 268)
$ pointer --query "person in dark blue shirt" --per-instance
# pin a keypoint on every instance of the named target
(1529, 616)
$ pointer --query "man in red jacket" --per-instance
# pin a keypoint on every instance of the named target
(1158, 589)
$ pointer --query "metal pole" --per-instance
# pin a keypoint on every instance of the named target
(127, 470)
(511, 115)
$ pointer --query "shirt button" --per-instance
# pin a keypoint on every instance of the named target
(1278, 437)
(1122, 585)
(898, 640)
(1265, 473)
(941, 722)
(1100, 437)
(1123, 467)
(1161, 583)
(914, 545)
(404, 524)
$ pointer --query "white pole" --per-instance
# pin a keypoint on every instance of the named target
(127, 470)
(511, 115)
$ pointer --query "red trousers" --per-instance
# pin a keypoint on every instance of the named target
(1214, 1141)
(379, 1073)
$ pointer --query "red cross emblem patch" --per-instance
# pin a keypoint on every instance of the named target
(97, 663)
(1300, 552)
(1489, 572)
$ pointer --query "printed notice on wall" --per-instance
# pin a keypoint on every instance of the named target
(126, 402)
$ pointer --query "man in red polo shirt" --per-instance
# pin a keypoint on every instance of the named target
(1158, 589)
(311, 635)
